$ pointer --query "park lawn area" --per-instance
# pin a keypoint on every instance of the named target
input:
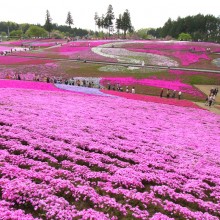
(205, 79)
(201, 78)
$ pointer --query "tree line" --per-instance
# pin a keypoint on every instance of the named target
(197, 28)
(49, 29)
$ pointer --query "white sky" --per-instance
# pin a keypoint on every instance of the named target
(144, 13)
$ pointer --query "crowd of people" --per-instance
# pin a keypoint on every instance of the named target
(171, 94)
(210, 100)
(118, 87)
(10, 51)
(86, 82)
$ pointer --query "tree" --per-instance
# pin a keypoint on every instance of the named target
(3, 34)
(48, 24)
(119, 24)
(109, 18)
(103, 20)
(96, 18)
(99, 23)
(24, 27)
(69, 19)
(211, 27)
(184, 37)
(144, 33)
(57, 34)
(17, 33)
(126, 22)
(35, 31)
(166, 28)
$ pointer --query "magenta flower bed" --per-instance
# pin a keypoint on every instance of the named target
(186, 58)
(36, 42)
(175, 45)
(65, 156)
(4, 48)
(15, 84)
(182, 103)
(89, 43)
(9, 60)
(172, 85)
(78, 46)
(68, 50)
(16, 43)
(80, 50)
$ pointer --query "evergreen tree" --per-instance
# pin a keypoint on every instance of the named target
(103, 21)
(69, 19)
(99, 23)
(119, 24)
(96, 18)
(109, 18)
(126, 22)
(48, 24)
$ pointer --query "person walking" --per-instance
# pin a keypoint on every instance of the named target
(207, 101)
(179, 94)
(210, 100)
(133, 90)
(161, 93)
(109, 86)
(174, 94)
(127, 90)
(168, 93)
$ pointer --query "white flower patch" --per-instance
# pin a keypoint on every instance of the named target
(126, 56)
(133, 68)
(112, 68)
(216, 62)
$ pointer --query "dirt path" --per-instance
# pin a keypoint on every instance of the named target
(206, 89)
(215, 109)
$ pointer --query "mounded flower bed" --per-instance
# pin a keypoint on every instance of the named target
(66, 156)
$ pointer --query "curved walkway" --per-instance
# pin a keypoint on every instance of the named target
(86, 90)
(206, 89)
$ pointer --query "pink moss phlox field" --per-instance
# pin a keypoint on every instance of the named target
(80, 50)
(9, 60)
(177, 45)
(185, 57)
(77, 46)
(30, 71)
(4, 48)
(67, 156)
(28, 85)
(35, 42)
(172, 85)
(182, 103)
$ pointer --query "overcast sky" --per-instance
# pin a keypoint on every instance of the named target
(144, 13)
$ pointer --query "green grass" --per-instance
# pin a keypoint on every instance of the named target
(204, 80)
